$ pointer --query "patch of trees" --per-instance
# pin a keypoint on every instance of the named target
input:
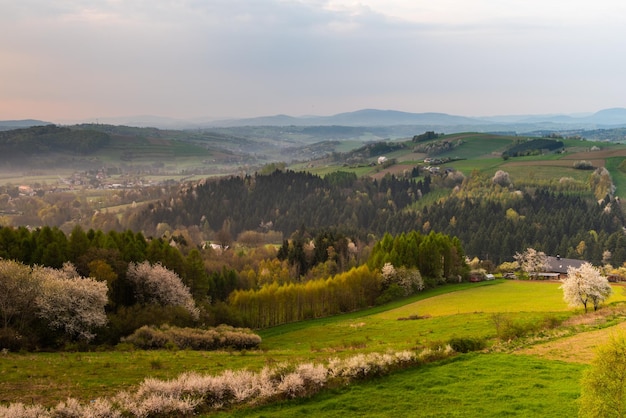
(288, 200)
(275, 304)
(436, 255)
(426, 136)
(42, 305)
(532, 147)
(438, 147)
(51, 138)
(397, 267)
(555, 223)
(146, 281)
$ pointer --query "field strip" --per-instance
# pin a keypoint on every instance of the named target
(579, 348)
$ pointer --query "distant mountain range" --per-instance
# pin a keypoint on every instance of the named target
(615, 117)
(607, 118)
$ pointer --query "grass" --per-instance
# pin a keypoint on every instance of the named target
(476, 145)
(464, 310)
(472, 385)
(618, 176)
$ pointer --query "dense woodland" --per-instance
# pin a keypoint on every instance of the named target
(492, 222)
(51, 138)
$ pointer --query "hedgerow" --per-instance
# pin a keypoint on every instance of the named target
(193, 393)
(223, 336)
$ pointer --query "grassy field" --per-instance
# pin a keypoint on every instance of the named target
(465, 311)
(471, 385)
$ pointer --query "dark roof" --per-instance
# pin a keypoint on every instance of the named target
(560, 265)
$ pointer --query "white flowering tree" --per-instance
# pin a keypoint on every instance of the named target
(532, 261)
(502, 178)
(409, 280)
(585, 285)
(70, 303)
(156, 284)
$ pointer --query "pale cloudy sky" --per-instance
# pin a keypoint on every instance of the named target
(66, 60)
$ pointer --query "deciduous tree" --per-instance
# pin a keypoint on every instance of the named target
(603, 387)
(532, 261)
(584, 285)
(69, 302)
(18, 290)
(156, 284)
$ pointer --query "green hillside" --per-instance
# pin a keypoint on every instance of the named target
(496, 382)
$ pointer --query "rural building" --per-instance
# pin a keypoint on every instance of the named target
(556, 267)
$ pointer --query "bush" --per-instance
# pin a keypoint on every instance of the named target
(393, 292)
(467, 344)
(12, 340)
(193, 338)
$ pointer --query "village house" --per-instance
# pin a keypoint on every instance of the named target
(556, 267)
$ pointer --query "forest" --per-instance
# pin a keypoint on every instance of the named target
(491, 221)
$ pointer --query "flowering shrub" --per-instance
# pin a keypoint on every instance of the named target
(69, 302)
(193, 393)
(149, 337)
(156, 284)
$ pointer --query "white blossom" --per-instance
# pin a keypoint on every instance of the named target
(72, 304)
(157, 284)
(585, 284)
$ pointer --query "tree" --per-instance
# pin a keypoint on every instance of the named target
(603, 387)
(18, 290)
(69, 302)
(532, 261)
(501, 178)
(585, 284)
(156, 284)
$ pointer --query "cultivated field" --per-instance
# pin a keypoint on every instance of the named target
(535, 375)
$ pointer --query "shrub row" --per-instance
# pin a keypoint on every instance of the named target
(223, 336)
(193, 393)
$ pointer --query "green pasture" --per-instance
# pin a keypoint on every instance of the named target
(618, 176)
(476, 146)
(470, 385)
(430, 318)
(485, 164)
(541, 173)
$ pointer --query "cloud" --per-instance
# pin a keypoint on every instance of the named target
(251, 57)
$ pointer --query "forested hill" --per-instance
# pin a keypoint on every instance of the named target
(51, 138)
(489, 228)
(287, 201)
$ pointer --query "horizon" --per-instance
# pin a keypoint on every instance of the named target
(97, 120)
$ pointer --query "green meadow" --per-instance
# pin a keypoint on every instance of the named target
(475, 384)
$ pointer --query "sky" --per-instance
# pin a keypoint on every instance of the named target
(70, 60)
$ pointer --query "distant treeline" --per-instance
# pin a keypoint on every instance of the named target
(50, 138)
(534, 146)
